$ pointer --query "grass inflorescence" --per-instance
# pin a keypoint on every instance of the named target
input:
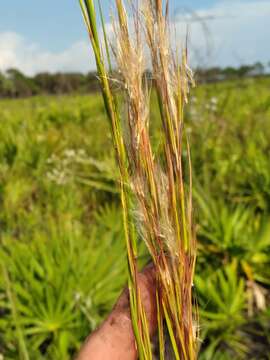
(156, 192)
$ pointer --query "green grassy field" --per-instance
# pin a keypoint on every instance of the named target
(62, 251)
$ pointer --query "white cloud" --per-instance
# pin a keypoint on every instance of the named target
(231, 32)
(18, 52)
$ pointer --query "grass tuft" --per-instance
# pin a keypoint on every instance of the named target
(156, 191)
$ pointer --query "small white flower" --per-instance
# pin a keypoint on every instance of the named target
(214, 100)
(70, 153)
(77, 297)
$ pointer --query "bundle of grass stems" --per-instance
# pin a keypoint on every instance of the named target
(156, 201)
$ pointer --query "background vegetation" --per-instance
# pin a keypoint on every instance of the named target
(62, 250)
(15, 84)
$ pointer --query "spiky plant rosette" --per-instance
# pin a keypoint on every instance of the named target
(152, 185)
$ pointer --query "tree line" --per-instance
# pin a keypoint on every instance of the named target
(14, 84)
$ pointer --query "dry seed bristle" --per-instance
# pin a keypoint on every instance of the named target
(163, 202)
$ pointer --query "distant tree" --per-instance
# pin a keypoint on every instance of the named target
(245, 70)
(23, 85)
(258, 68)
(7, 88)
(66, 83)
(63, 83)
(45, 82)
(208, 74)
(230, 72)
(14, 83)
(91, 82)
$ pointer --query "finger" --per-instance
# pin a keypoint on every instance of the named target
(147, 285)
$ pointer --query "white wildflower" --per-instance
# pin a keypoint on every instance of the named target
(70, 153)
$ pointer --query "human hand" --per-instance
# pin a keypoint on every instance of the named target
(114, 339)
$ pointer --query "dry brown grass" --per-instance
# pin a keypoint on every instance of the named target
(156, 193)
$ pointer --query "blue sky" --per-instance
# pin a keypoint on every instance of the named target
(50, 35)
(57, 23)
